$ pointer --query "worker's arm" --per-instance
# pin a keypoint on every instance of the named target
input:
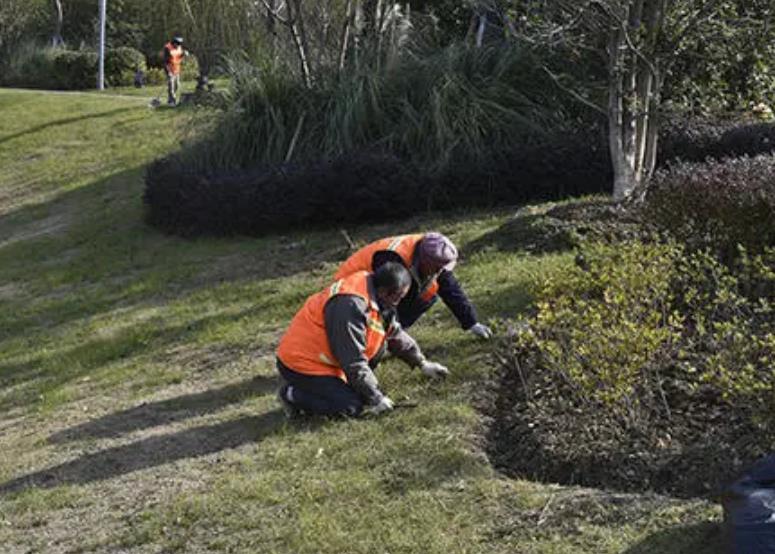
(404, 347)
(456, 300)
(345, 320)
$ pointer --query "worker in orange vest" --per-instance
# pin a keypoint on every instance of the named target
(430, 259)
(327, 356)
(173, 55)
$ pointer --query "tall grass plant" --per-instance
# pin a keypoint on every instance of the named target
(427, 108)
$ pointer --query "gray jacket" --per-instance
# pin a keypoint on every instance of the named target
(345, 320)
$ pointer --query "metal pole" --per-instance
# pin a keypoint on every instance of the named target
(103, 16)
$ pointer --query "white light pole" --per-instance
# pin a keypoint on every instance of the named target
(103, 16)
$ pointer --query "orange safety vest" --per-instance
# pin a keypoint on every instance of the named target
(175, 58)
(403, 245)
(304, 347)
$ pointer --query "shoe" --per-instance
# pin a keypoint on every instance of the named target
(291, 411)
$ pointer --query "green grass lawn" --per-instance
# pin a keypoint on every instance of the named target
(137, 408)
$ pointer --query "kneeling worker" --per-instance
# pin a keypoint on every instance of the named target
(327, 355)
(430, 259)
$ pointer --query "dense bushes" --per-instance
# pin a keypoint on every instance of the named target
(356, 188)
(648, 363)
(697, 139)
(645, 366)
(364, 187)
(464, 126)
(57, 68)
(716, 204)
(121, 64)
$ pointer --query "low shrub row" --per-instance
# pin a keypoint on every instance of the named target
(358, 188)
(697, 139)
(716, 204)
(34, 66)
(365, 187)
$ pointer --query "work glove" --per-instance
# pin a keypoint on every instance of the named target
(481, 331)
(434, 369)
(384, 405)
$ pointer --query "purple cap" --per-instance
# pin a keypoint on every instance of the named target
(438, 250)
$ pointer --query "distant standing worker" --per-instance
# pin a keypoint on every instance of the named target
(327, 356)
(430, 259)
(173, 55)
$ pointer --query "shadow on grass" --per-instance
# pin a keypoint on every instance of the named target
(50, 371)
(66, 121)
(700, 538)
(166, 411)
(152, 452)
(507, 303)
(113, 251)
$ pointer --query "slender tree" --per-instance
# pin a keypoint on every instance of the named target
(58, 18)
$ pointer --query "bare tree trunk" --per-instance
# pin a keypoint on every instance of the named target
(654, 19)
(344, 42)
(634, 107)
(481, 28)
(296, 23)
(56, 38)
(622, 168)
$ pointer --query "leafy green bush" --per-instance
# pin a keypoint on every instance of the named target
(645, 366)
(155, 76)
(37, 66)
(121, 64)
(717, 204)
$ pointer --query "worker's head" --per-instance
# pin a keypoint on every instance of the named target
(435, 254)
(177, 40)
(392, 282)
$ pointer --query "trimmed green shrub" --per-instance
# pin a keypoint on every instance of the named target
(697, 139)
(355, 188)
(121, 64)
(718, 204)
(155, 76)
(74, 69)
(52, 68)
(58, 68)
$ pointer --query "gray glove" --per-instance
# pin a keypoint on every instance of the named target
(481, 331)
(384, 405)
(434, 369)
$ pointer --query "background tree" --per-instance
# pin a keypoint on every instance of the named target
(637, 43)
(58, 18)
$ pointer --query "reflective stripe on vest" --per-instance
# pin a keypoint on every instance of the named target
(175, 58)
(402, 245)
(304, 347)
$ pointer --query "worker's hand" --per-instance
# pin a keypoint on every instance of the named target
(481, 331)
(434, 369)
(384, 405)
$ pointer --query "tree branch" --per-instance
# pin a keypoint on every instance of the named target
(573, 93)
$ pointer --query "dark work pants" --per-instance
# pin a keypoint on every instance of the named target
(409, 312)
(321, 395)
